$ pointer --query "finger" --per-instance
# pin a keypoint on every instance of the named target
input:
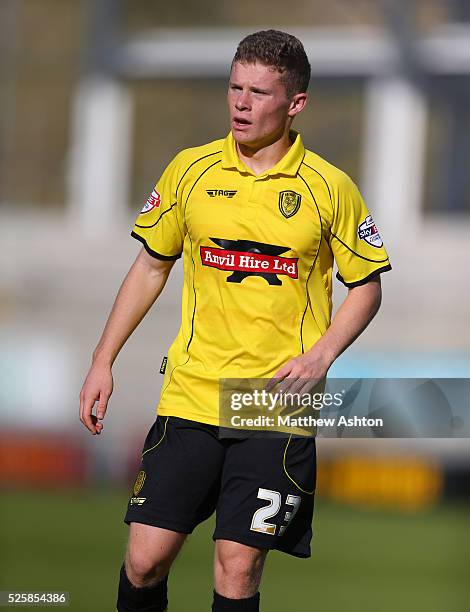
(80, 411)
(98, 426)
(272, 383)
(82, 406)
(278, 377)
(288, 384)
(87, 419)
(102, 406)
(296, 384)
(304, 386)
(310, 385)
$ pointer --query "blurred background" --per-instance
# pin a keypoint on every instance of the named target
(96, 97)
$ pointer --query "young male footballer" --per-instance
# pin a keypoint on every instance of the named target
(259, 221)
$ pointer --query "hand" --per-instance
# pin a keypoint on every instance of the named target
(302, 373)
(97, 387)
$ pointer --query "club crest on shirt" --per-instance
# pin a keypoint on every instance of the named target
(289, 203)
(153, 201)
(367, 230)
(139, 482)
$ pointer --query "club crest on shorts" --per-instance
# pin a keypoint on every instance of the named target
(153, 201)
(367, 230)
(289, 203)
(139, 482)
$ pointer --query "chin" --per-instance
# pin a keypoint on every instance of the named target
(242, 137)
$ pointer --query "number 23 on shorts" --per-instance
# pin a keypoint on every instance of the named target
(259, 521)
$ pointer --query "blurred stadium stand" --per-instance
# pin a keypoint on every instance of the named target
(91, 115)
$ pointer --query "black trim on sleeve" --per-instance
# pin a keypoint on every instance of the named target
(196, 181)
(307, 296)
(176, 192)
(192, 257)
(365, 280)
(191, 165)
(158, 220)
(154, 253)
(356, 253)
(324, 180)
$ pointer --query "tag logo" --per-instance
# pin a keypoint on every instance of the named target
(289, 203)
(226, 193)
(368, 232)
(163, 366)
(153, 201)
(139, 482)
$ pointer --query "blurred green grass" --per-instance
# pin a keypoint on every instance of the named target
(362, 560)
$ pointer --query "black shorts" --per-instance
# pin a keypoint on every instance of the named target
(262, 488)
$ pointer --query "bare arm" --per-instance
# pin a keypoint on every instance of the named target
(353, 316)
(141, 287)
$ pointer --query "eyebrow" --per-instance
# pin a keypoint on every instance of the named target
(253, 89)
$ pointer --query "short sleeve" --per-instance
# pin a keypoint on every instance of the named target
(159, 225)
(355, 239)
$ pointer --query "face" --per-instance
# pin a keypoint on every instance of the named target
(260, 111)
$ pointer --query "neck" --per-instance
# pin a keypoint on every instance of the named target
(263, 157)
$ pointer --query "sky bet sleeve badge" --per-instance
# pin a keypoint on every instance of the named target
(289, 203)
(368, 231)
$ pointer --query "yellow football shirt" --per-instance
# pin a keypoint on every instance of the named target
(258, 253)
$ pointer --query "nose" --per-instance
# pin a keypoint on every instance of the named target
(243, 101)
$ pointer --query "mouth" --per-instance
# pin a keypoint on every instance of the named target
(239, 123)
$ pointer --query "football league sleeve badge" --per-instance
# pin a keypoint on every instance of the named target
(367, 231)
(152, 202)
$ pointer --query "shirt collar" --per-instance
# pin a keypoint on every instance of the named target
(288, 165)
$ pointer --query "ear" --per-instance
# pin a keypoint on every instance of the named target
(297, 104)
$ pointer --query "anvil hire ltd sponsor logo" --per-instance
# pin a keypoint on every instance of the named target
(249, 258)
